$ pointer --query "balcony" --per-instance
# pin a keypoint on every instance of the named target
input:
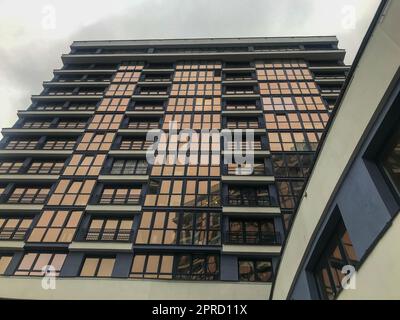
(155, 77)
(14, 234)
(105, 235)
(240, 90)
(252, 238)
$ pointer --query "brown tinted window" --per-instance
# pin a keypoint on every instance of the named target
(33, 264)
(56, 226)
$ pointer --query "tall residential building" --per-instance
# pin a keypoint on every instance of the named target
(79, 199)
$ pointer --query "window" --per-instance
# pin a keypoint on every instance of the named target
(271, 73)
(156, 77)
(246, 196)
(194, 104)
(10, 167)
(72, 193)
(81, 106)
(14, 228)
(36, 124)
(45, 167)
(294, 121)
(241, 106)
(195, 121)
(106, 122)
(96, 142)
(196, 76)
(143, 124)
(240, 90)
(292, 165)
(249, 145)
(129, 167)
(127, 76)
(60, 91)
(287, 88)
(91, 91)
(4, 263)
(56, 226)
(100, 267)
(187, 193)
(152, 90)
(29, 195)
(204, 148)
(252, 232)
(196, 89)
(113, 105)
(178, 267)
(202, 170)
(49, 107)
(59, 144)
(135, 144)
(120, 195)
(289, 193)
(148, 106)
(22, 144)
(338, 252)
(132, 66)
(33, 264)
(255, 270)
(109, 229)
(390, 160)
(294, 141)
(198, 65)
(81, 165)
(172, 228)
(259, 168)
(71, 124)
(250, 123)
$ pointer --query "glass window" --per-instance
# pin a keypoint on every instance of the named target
(187, 193)
(100, 267)
(4, 263)
(172, 228)
(14, 227)
(255, 270)
(45, 167)
(29, 195)
(178, 267)
(129, 167)
(338, 252)
(10, 167)
(56, 226)
(390, 160)
(36, 264)
(81, 165)
(71, 192)
(109, 229)
(120, 195)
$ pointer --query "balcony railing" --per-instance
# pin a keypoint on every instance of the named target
(252, 238)
(13, 234)
(247, 201)
(106, 235)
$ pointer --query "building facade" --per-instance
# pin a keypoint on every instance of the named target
(80, 201)
(348, 219)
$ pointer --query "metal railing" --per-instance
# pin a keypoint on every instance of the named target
(13, 234)
(106, 235)
(252, 238)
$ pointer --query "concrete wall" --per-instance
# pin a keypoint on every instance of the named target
(105, 289)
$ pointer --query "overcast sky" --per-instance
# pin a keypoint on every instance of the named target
(34, 34)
